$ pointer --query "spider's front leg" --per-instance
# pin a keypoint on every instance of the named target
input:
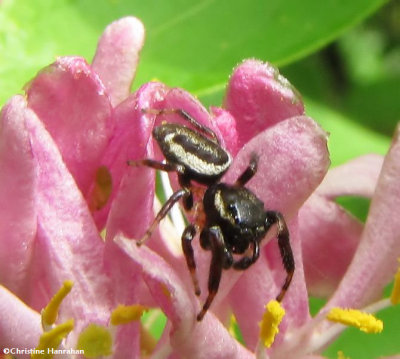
(185, 193)
(284, 248)
(217, 246)
(187, 237)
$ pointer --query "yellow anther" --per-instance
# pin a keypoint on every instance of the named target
(364, 321)
(52, 340)
(395, 296)
(95, 341)
(50, 312)
(269, 325)
(124, 314)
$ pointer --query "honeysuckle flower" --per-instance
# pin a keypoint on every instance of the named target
(65, 144)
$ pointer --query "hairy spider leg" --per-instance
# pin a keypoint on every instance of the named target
(204, 129)
(167, 167)
(249, 172)
(284, 248)
(187, 237)
(175, 197)
(217, 245)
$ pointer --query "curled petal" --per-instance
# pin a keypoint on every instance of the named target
(117, 56)
(130, 207)
(67, 243)
(211, 340)
(330, 237)
(355, 178)
(208, 339)
(293, 159)
(71, 101)
(165, 285)
(227, 126)
(375, 261)
(20, 326)
(259, 97)
(177, 98)
(18, 178)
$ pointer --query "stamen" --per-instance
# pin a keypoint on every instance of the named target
(50, 312)
(95, 341)
(269, 325)
(125, 314)
(395, 296)
(52, 339)
(364, 321)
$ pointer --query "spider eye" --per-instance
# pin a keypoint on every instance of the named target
(232, 208)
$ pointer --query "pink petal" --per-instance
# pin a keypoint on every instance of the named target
(293, 159)
(357, 177)
(259, 97)
(177, 98)
(133, 188)
(376, 259)
(68, 245)
(227, 126)
(329, 234)
(71, 101)
(117, 56)
(330, 237)
(20, 326)
(18, 178)
(165, 285)
(208, 339)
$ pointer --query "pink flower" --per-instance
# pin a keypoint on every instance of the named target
(69, 139)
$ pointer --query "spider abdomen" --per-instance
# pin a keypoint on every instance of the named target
(203, 160)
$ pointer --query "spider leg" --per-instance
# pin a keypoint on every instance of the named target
(217, 261)
(187, 237)
(284, 248)
(245, 262)
(249, 172)
(166, 167)
(185, 115)
(176, 196)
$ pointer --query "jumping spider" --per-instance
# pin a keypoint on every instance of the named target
(235, 219)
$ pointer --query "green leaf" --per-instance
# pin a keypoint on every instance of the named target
(347, 139)
(192, 44)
